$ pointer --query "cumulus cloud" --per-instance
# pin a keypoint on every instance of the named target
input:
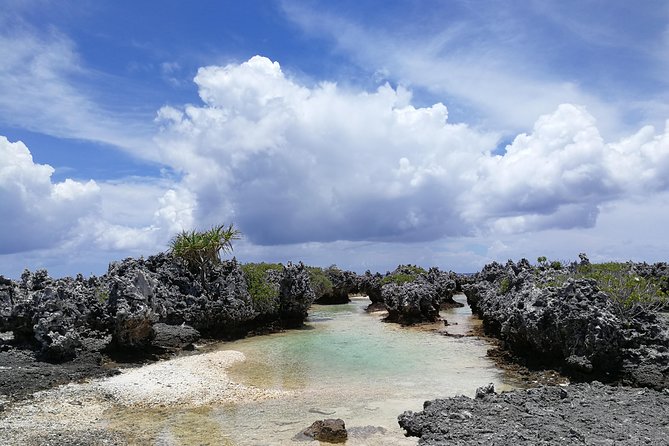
(37, 213)
(129, 215)
(293, 163)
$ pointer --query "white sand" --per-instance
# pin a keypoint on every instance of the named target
(196, 380)
(75, 413)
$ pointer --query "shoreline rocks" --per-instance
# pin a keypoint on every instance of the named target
(329, 431)
(555, 415)
(139, 308)
(571, 324)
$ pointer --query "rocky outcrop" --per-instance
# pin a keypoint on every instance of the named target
(61, 316)
(445, 286)
(343, 284)
(573, 415)
(371, 285)
(296, 295)
(329, 431)
(413, 295)
(553, 318)
(120, 310)
(411, 302)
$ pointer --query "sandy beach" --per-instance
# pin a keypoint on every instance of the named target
(76, 413)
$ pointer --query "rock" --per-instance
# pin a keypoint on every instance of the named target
(577, 414)
(130, 305)
(328, 430)
(411, 302)
(174, 336)
(344, 283)
(482, 392)
(570, 323)
(296, 295)
(370, 285)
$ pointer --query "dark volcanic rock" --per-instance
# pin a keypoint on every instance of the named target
(445, 286)
(23, 373)
(174, 336)
(140, 304)
(296, 295)
(130, 303)
(329, 431)
(578, 414)
(411, 302)
(371, 285)
(570, 323)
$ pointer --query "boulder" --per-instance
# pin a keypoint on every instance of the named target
(552, 318)
(328, 430)
(174, 337)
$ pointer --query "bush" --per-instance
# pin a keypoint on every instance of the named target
(504, 285)
(320, 282)
(202, 249)
(404, 274)
(629, 292)
(263, 290)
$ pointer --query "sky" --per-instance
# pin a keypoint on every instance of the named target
(364, 134)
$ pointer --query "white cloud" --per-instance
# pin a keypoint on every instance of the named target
(133, 215)
(37, 213)
(291, 163)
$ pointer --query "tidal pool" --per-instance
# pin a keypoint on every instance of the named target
(345, 363)
(348, 364)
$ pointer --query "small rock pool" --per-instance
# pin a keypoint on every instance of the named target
(346, 364)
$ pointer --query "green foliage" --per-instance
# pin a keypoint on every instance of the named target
(556, 264)
(629, 292)
(399, 278)
(504, 285)
(199, 248)
(541, 260)
(262, 290)
(320, 282)
(404, 274)
(102, 294)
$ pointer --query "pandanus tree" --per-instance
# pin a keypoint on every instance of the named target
(201, 250)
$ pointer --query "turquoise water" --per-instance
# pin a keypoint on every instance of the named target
(348, 364)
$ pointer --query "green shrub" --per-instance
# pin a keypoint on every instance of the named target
(320, 282)
(399, 278)
(629, 292)
(504, 285)
(556, 264)
(263, 291)
(102, 294)
(404, 274)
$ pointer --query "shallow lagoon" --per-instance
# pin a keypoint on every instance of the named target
(345, 364)
(348, 364)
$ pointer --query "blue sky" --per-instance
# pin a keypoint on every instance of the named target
(361, 133)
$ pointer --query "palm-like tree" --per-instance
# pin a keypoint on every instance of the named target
(202, 249)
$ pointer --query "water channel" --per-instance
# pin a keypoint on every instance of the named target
(347, 364)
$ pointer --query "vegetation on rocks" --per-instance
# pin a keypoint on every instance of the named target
(630, 291)
(404, 274)
(263, 284)
(202, 249)
(320, 281)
